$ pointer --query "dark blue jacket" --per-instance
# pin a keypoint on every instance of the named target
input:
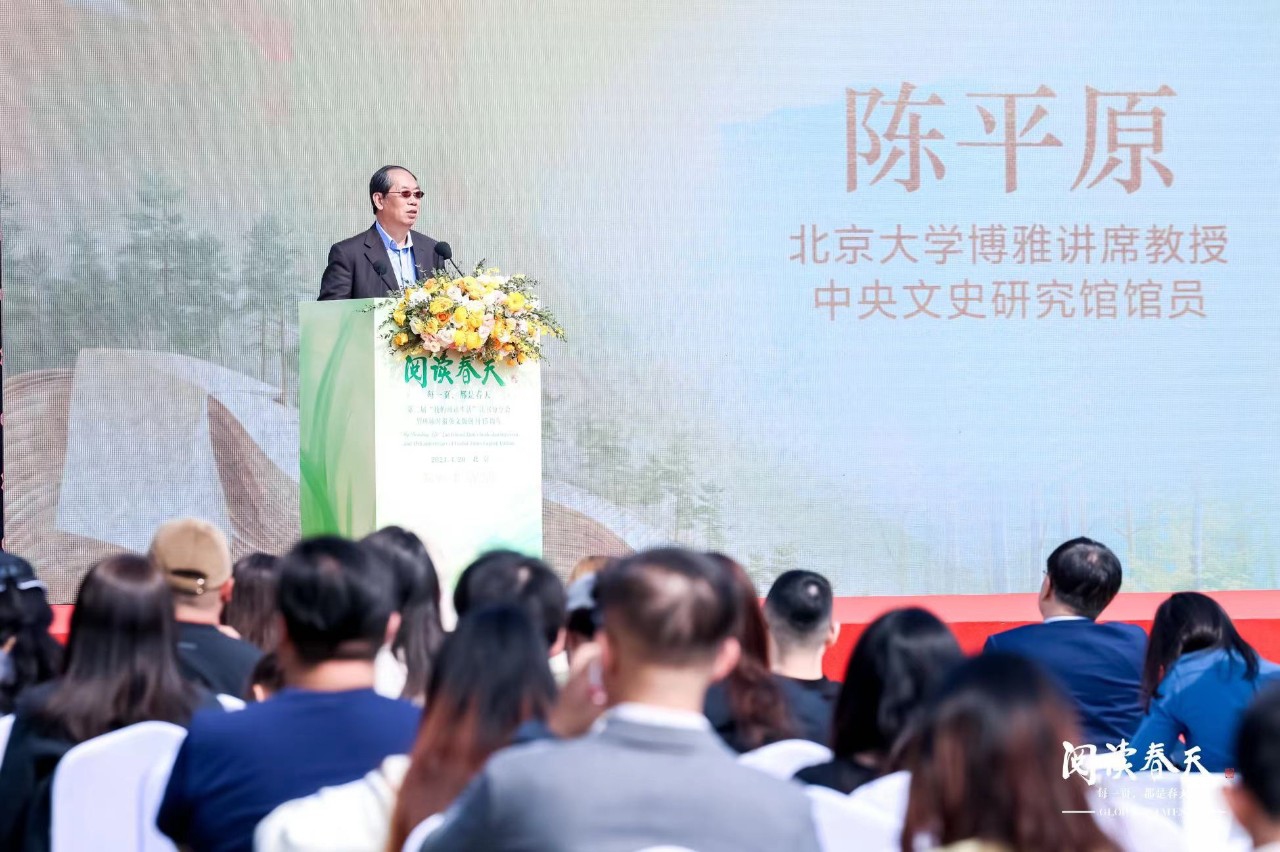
(1099, 665)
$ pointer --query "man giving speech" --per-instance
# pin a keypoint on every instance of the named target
(390, 254)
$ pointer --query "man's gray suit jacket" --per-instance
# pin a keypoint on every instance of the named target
(625, 788)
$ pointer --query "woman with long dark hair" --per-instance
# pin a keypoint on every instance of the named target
(1197, 680)
(28, 654)
(252, 611)
(490, 676)
(987, 765)
(420, 634)
(748, 708)
(121, 668)
(899, 660)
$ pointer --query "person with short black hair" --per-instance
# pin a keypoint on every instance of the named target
(389, 255)
(798, 611)
(28, 654)
(668, 620)
(1255, 798)
(196, 560)
(1198, 678)
(121, 668)
(505, 576)
(326, 727)
(1098, 664)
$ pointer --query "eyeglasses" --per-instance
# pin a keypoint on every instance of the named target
(406, 193)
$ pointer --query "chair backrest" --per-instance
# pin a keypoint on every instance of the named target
(421, 832)
(786, 758)
(153, 787)
(6, 725)
(230, 703)
(99, 787)
(1207, 821)
(844, 824)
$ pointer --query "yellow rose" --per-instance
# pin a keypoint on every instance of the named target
(400, 339)
(475, 319)
(515, 301)
(475, 289)
(460, 315)
(398, 317)
(460, 339)
(432, 326)
(440, 305)
(474, 340)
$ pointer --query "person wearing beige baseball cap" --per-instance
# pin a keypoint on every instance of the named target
(194, 556)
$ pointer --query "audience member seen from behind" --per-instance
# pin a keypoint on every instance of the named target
(1199, 677)
(403, 666)
(798, 611)
(193, 554)
(898, 662)
(588, 566)
(669, 618)
(748, 708)
(267, 678)
(582, 618)
(121, 668)
(504, 576)
(327, 727)
(988, 765)
(251, 611)
(1255, 798)
(28, 654)
(491, 675)
(1099, 665)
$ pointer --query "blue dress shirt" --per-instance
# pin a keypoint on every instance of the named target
(401, 256)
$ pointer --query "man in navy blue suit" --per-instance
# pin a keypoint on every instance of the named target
(1099, 665)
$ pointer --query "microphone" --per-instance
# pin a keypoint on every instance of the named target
(380, 268)
(446, 253)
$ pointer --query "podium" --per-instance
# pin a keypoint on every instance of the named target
(443, 446)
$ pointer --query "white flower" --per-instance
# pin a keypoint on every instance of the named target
(419, 297)
(473, 305)
(454, 292)
(491, 299)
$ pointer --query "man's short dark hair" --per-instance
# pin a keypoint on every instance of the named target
(505, 576)
(798, 609)
(675, 605)
(381, 182)
(334, 600)
(1084, 575)
(1258, 750)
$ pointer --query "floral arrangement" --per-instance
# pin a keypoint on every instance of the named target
(485, 316)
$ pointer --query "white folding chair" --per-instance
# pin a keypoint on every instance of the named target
(845, 825)
(421, 832)
(153, 787)
(229, 702)
(1207, 821)
(99, 787)
(786, 758)
(6, 725)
